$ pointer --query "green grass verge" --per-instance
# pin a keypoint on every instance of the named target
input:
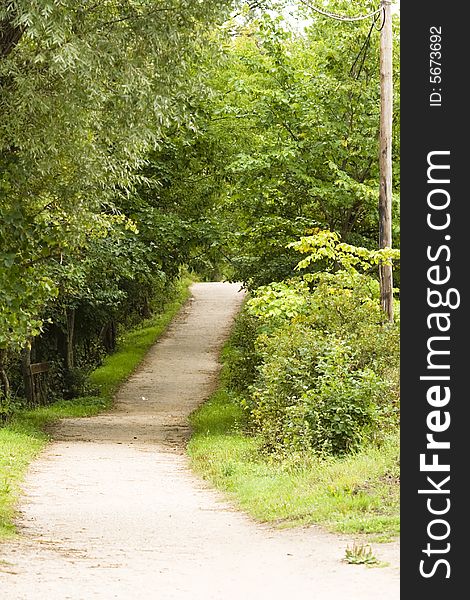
(354, 494)
(24, 437)
(132, 348)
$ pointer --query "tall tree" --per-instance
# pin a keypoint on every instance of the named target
(296, 122)
(87, 89)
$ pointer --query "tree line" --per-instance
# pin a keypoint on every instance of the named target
(141, 137)
(88, 91)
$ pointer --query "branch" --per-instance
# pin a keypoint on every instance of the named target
(133, 17)
(10, 35)
(289, 130)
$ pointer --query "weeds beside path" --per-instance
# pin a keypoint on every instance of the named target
(356, 494)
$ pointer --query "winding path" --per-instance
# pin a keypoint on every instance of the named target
(111, 509)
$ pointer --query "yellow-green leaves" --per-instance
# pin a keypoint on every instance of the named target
(326, 245)
(279, 301)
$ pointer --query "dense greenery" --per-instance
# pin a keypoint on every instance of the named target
(89, 93)
(140, 139)
(290, 140)
(314, 362)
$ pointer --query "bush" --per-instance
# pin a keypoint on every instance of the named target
(241, 356)
(308, 396)
(321, 376)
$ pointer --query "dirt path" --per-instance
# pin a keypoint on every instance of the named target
(112, 511)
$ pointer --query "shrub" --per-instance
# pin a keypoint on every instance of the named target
(320, 373)
(241, 355)
(309, 396)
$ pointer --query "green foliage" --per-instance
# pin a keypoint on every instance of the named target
(326, 375)
(309, 395)
(354, 493)
(279, 302)
(241, 354)
(88, 90)
(7, 406)
(91, 96)
(296, 119)
(325, 246)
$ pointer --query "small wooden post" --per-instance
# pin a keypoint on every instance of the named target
(385, 159)
(38, 371)
(69, 338)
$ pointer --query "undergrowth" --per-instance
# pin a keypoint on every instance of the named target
(353, 493)
(24, 436)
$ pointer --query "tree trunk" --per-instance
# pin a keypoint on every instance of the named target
(4, 381)
(108, 336)
(27, 377)
(69, 339)
(145, 312)
(112, 336)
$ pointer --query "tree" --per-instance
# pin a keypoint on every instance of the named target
(87, 90)
(300, 116)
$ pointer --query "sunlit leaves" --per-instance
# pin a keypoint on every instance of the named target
(325, 245)
(301, 130)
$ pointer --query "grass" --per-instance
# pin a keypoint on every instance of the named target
(355, 494)
(23, 437)
(132, 348)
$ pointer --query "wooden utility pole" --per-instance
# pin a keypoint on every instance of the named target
(385, 160)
